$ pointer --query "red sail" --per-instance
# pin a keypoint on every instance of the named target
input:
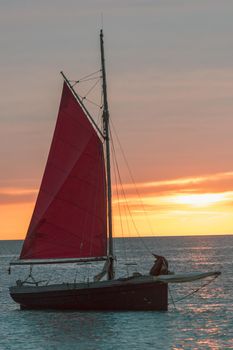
(69, 219)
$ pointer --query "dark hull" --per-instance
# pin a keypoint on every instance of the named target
(109, 296)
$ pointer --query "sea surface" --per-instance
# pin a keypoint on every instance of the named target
(203, 320)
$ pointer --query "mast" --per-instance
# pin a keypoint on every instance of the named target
(108, 168)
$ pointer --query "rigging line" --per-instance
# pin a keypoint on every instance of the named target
(127, 205)
(118, 203)
(196, 290)
(118, 197)
(124, 205)
(170, 293)
(133, 181)
(90, 101)
(86, 76)
(92, 88)
(76, 96)
(85, 80)
(83, 98)
(119, 206)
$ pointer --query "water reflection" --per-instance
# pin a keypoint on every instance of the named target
(203, 321)
(108, 330)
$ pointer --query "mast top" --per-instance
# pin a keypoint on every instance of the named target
(104, 86)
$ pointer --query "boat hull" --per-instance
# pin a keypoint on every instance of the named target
(112, 296)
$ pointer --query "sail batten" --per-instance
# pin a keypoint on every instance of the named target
(69, 219)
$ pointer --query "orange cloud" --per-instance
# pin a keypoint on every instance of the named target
(206, 183)
(16, 195)
(181, 206)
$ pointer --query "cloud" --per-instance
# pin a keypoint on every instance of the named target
(219, 182)
(16, 195)
(206, 194)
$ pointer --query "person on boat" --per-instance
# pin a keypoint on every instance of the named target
(160, 266)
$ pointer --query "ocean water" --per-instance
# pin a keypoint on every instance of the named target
(203, 320)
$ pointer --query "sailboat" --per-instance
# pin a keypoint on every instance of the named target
(72, 220)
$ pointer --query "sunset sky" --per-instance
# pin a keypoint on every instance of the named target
(170, 89)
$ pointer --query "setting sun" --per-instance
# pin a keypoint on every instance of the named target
(200, 200)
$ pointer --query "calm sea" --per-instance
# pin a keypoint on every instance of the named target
(203, 320)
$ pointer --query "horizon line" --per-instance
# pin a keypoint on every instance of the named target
(154, 236)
